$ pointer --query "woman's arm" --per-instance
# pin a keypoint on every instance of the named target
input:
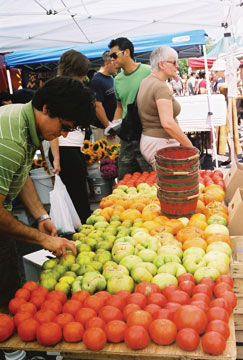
(54, 144)
(165, 110)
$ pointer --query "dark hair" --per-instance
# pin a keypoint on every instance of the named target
(22, 96)
(5, 96)
(241, 66)
(66, 98)
(123, 44)
(73, 63)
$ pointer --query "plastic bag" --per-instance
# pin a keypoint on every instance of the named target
(63, 213)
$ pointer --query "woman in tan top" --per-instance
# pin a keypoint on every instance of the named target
(158, 108)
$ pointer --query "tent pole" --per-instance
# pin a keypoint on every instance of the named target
(9, 81)
(210, 113)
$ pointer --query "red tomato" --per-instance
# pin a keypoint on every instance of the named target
(172, 307)
(37, 300)
(80, 295)
(208, 173)
(21, 316)
(147, 288)
(218, 313)
(213, 343)
(208, 281)
(94, 302)
(115, 331)
(23, 293)
(27, 329)
(219, 326)
(130, 308)
(52, 304)
(203, 288)
(30, 285)
(28, 306)
(63, 319)
(219, 173)
(116, 301)
(49, 334)
(137, 298)
(188, 339)
(179, 296)
(136, 337)
(163, 331)
(139, 317)
(43, 316)
(152, 308)
(225, 278)
(58, 295)
(96, 322)
(71, 306)
(187, 286)
(201, 304)
(156, 298)
(84, 314)
(231, 298)
(14, 304)
(6, 327)
(124, 294)
(186, 276)
(220, 289)
(40, 291)
(190, 316)
(221, 302)
(73, 331)
(105, 295)
(108, 313)
(201, 296)
(163, 314)
(94, 339)
(169, 289)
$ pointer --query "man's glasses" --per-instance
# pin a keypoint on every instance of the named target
(172, 62)
(114, 55)
(66, 128)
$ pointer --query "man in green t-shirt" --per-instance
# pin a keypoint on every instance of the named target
(59, 106)
(126, 86)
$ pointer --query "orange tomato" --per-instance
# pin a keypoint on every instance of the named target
(214, 195)
(219, 237)
(138, 205)
(130, 214)
(175, 225)
(107, 212)
(200, 207)
(151, 211)
(215, 206)
(124, 202)
(196, 242)
(188, 233)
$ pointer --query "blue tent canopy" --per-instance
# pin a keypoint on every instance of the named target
(187, 44)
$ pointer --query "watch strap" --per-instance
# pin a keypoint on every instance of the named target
(42, 218)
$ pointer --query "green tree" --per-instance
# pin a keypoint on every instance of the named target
(183, 66)
(210, 42)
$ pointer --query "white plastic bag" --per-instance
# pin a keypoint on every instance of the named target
(63, 213)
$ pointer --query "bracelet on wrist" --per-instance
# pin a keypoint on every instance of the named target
(42, 218)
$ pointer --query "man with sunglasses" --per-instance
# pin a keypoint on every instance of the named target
(59, 106)
(126, 86)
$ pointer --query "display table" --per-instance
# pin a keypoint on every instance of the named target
(194, 112)
(121, 351)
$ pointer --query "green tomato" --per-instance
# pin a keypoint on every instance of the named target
(217, 219)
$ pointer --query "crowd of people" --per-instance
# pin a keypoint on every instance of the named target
(60, 112)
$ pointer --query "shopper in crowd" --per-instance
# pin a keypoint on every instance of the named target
(21, 96)
(158, 108)
(22, 127)
(191, 84)
(218, 75)
(102, 83)
(202, 84)
(126, 85)
(66, 156)
(177, 85)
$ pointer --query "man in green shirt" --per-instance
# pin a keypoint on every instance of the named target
(59, 106)
(126, 86)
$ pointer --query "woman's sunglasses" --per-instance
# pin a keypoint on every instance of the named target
(114, 55)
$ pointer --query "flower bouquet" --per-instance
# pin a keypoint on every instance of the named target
(99, 150)
(108, 169)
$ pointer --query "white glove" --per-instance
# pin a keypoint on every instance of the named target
(112, 125)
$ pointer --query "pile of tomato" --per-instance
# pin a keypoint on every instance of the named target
(138, 178)
(177, 314)
(209, 177)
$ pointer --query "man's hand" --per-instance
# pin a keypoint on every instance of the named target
(47, 227)
(58, 245)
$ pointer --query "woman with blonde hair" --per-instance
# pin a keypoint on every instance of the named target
(158, 108)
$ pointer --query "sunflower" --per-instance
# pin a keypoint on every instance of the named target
(86, 144)
(105, 142)
(96, 146)
(101, 144)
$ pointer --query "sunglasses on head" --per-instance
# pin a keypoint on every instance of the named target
(114, 55)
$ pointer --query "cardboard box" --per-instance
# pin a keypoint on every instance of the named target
(233, 181)
(235, 208)
(33, 263)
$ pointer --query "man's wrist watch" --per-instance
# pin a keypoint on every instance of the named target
(42, 218)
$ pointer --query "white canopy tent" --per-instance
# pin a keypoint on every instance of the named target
(33, 24)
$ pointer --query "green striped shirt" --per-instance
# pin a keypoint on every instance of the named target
(18, 144)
